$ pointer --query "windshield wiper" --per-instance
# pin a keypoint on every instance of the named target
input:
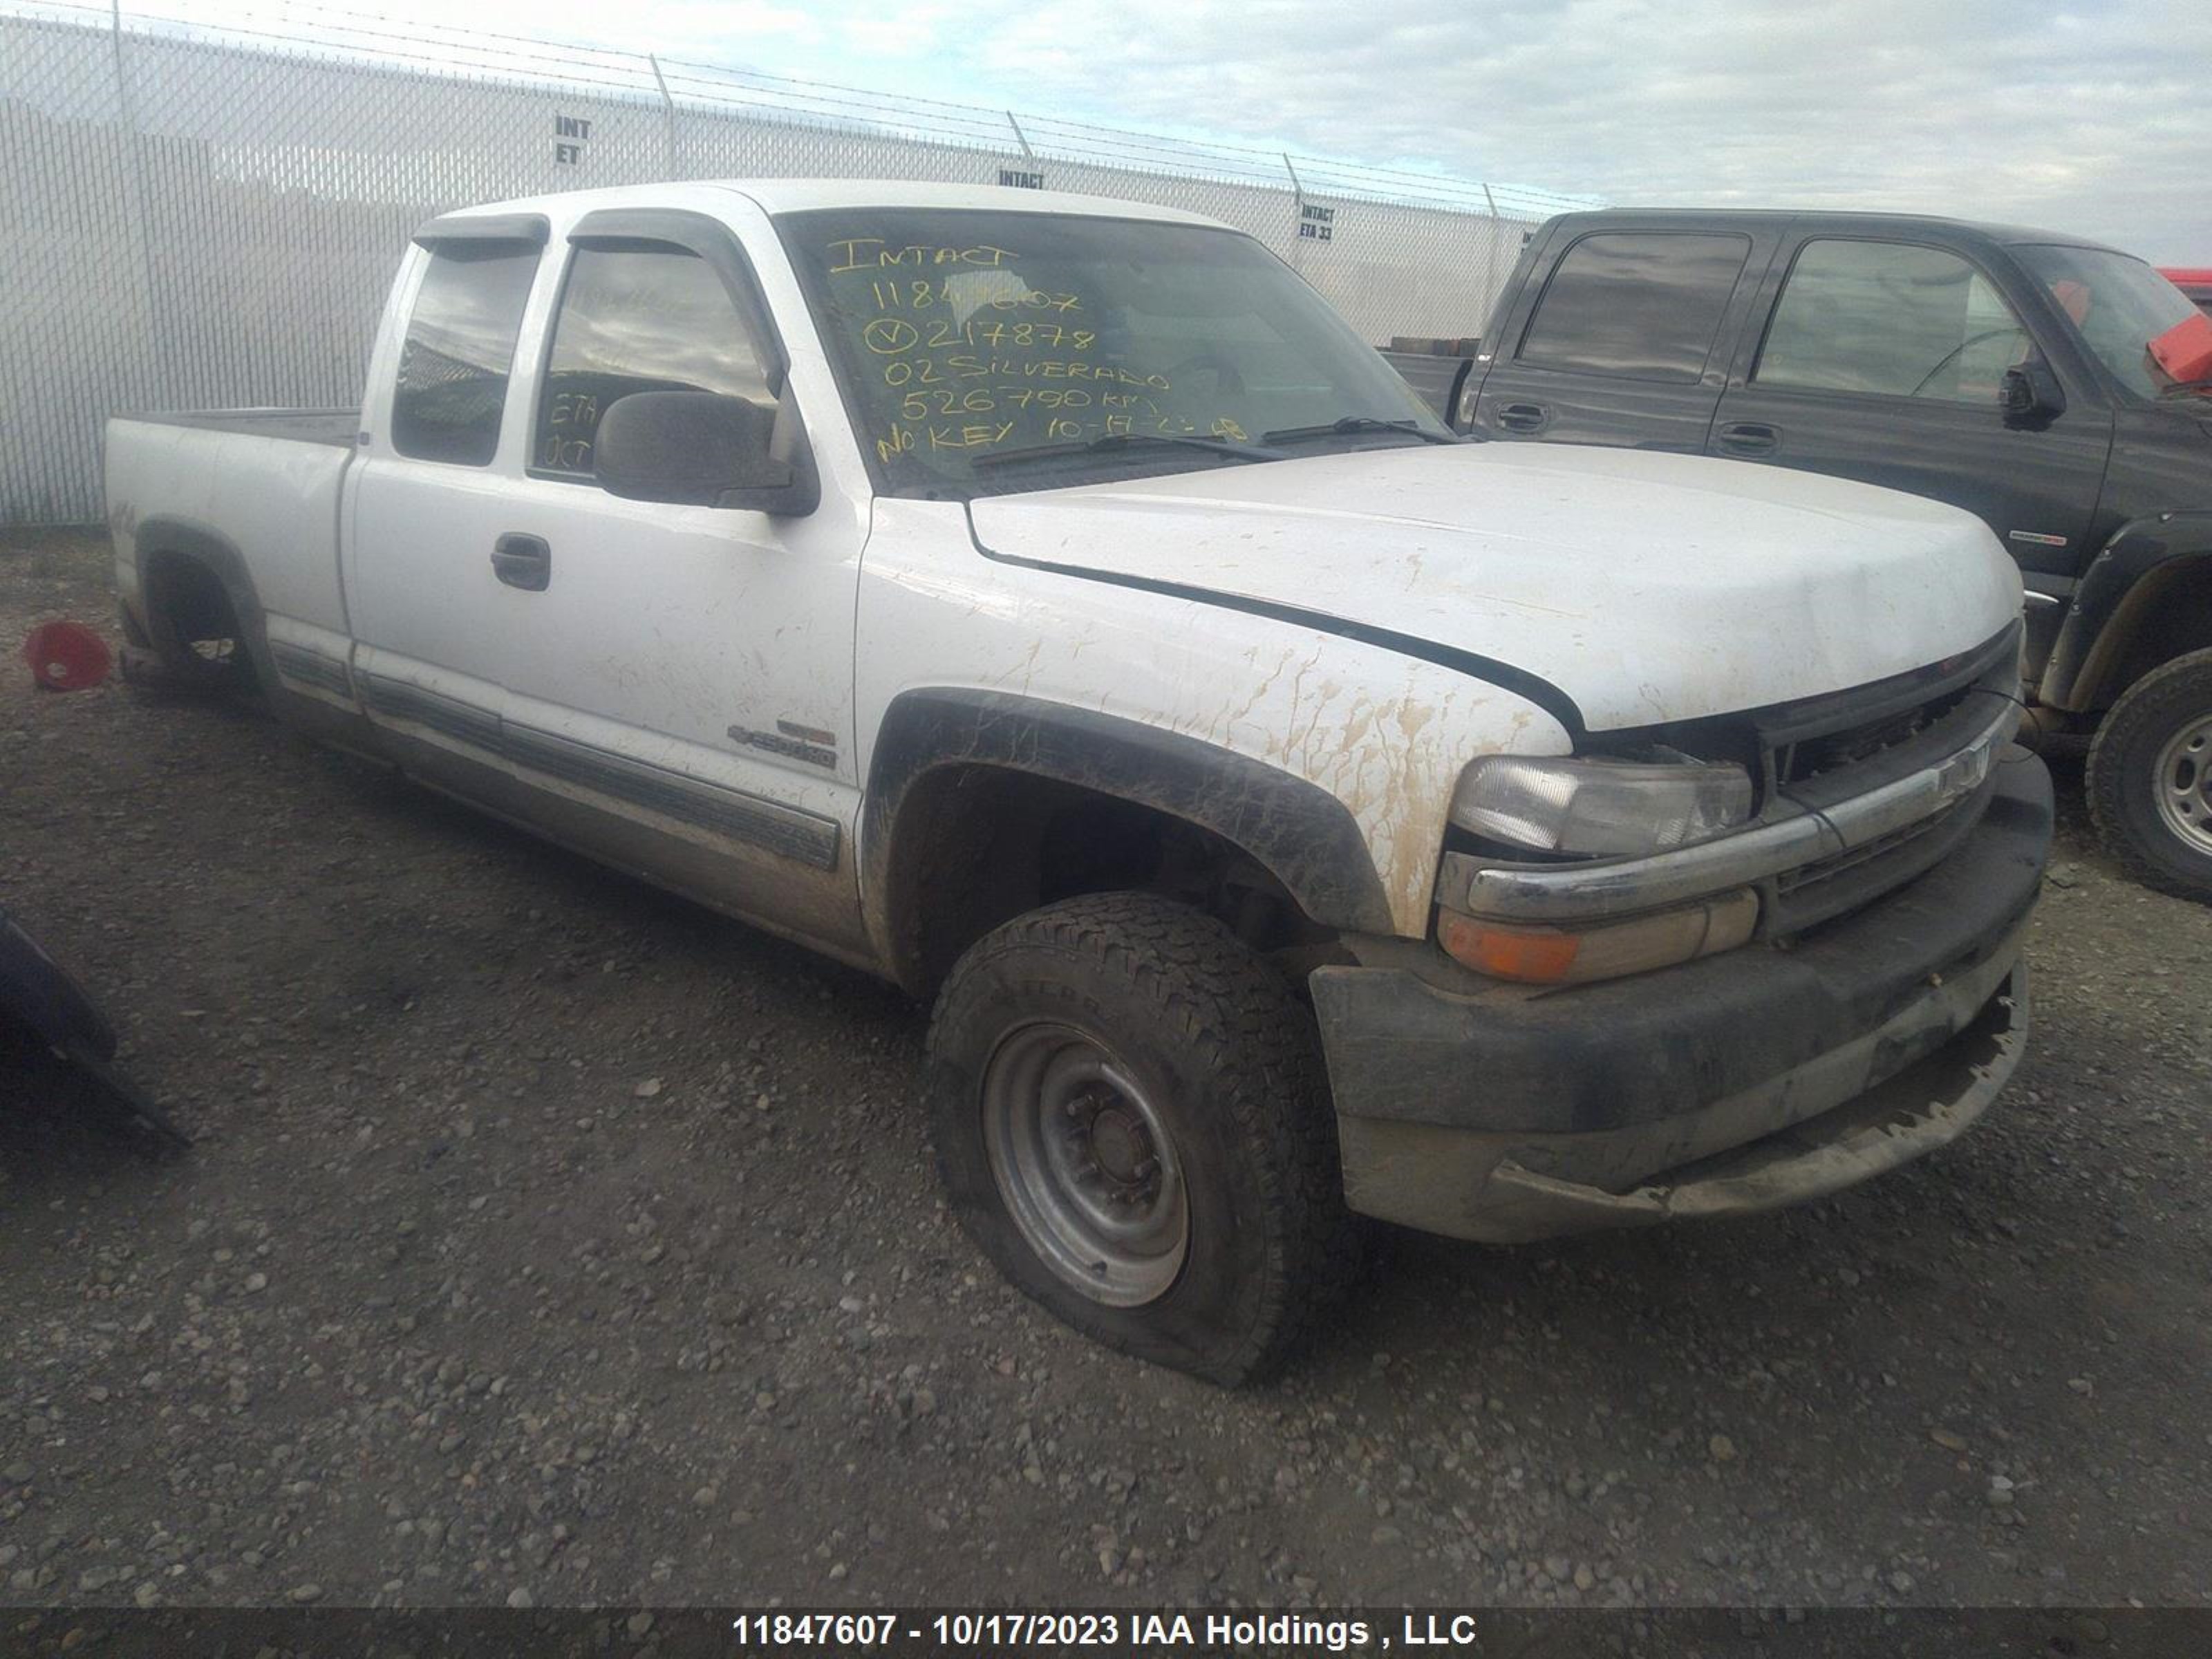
(2185, 385)
(1346, 426)
(1118, 440)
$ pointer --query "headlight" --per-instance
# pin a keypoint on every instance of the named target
(1600, 807)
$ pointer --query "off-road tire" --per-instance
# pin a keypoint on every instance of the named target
(2125, 776)
(1232, 1062)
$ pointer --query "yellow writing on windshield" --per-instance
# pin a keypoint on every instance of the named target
(872, 253)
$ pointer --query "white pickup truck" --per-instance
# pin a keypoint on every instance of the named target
(1048, 604)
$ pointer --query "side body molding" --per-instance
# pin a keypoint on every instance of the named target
(1302, 834)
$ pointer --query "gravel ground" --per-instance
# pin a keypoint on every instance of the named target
(548, 1240)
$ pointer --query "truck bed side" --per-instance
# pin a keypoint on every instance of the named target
(254, 496)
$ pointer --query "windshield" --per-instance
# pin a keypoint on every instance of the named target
(2119, 304)
(981, 351)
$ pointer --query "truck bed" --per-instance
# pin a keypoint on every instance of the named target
(265, 483)
(336, 426)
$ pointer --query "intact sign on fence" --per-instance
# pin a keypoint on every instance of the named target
(198, 218)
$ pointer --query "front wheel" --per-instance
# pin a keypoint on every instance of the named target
(1130, 1119)
(2150, 777)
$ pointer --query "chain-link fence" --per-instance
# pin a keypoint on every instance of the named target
(208, 216)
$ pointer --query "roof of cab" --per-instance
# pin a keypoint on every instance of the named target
(782, 196)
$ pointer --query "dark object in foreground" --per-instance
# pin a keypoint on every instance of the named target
(40, 999)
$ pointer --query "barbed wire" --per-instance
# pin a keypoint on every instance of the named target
(328, 31)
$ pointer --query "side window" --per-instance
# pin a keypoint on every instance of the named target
(1644, 305)
(648, 318)
(459, 347)
(1891, 319)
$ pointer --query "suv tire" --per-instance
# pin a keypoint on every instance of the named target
(2150, 778)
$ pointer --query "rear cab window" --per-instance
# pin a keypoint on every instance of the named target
(1638, 305)
(459, 351)
(638, 316)
(1895, 319)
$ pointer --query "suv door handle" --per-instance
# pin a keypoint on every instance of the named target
(1750, 438)
(523, 562)
(1523, 417)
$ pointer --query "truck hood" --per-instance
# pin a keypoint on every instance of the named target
(1643, 587)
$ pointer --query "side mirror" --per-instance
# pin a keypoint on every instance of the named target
(2031, 393)
(699, 449)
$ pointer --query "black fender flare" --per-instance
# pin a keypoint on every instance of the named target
(1302, 834)
(170, 535)
(2111, 599)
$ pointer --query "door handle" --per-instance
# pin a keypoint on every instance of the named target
(1750, 438)
(523, 562)
(1523, 417)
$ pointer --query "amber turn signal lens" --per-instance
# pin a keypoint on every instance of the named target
(1562, 955)
(1543, 955)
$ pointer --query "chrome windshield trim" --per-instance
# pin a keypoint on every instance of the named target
(1584, 892)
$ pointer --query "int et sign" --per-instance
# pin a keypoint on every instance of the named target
(570, 133)
(1316, 223)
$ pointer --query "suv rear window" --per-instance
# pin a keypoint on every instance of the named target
(1642, 305)
(459, 347)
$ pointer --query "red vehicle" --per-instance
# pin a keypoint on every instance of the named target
(2196, 284)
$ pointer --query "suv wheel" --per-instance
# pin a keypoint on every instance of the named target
(2150, 777)
(1132, 1122)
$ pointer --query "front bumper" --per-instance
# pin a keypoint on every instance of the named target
(1746, 1081)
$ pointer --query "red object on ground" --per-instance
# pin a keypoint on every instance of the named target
(66, 656)
(2183, 352)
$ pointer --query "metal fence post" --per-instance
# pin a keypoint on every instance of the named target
(137, 197)
(667, 110)
(1490, 279)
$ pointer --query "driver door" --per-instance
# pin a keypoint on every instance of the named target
(679, 679)
(1881, 361)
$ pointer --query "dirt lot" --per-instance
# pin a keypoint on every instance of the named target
(549, 1238)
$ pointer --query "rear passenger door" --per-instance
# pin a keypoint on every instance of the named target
(1626, 343)
(1881, 360)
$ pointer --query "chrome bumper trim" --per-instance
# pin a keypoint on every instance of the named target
(1584, 892)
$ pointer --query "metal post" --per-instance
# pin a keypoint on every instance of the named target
(140, 197)
(1297, 214)
(1021, 137)
(667, 111)
(1492, 281)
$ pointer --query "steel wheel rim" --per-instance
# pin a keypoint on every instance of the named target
(1084, 1160)
(2184, 784)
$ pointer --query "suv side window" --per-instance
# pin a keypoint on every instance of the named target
(1643, 305)
(1893, 319)
(459, 347)
(648, 317)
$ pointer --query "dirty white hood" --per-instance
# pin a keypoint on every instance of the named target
(1645, 587)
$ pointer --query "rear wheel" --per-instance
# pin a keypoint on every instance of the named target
(1130, 1119)
(2150, 777)
(197, 645)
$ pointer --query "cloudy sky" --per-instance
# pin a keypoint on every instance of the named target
(2089, 117)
